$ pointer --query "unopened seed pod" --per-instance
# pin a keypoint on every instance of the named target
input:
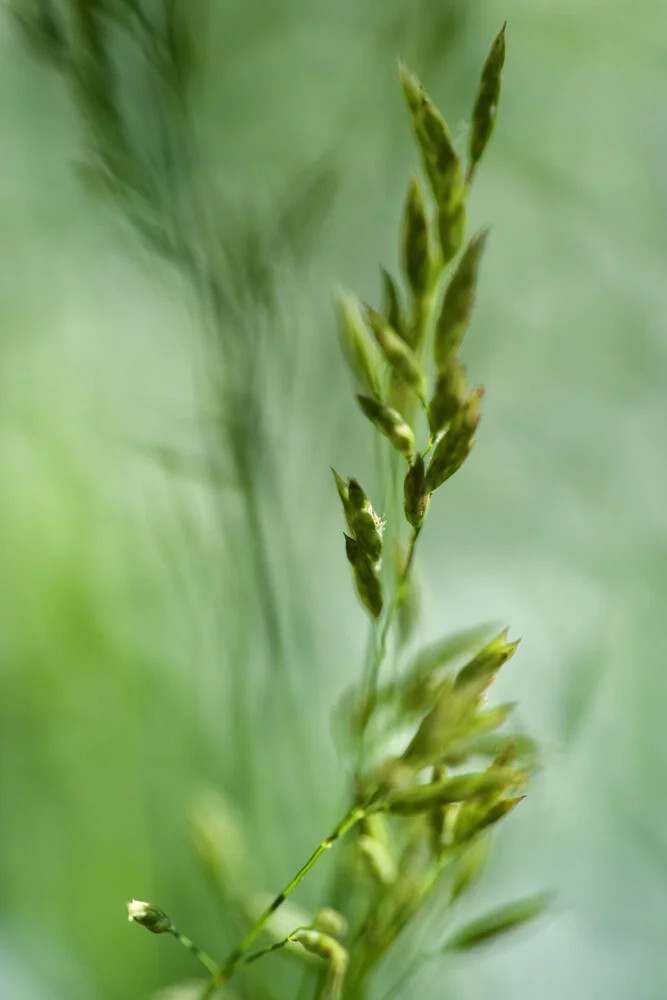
(399, 355)
(416, 242)
(448, 396)
(356, 495)
(484, 666)
(368, 531)
(151, 917)
(423, 798)
(486, 103)
(439, 157)
(351, 550)
(416, 495)
(474, 817)
(369, 589)
(454, 447)
(366, 579)
(364, 522)
(457, 304)
(390, 423)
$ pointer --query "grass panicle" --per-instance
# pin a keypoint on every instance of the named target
(419, 820)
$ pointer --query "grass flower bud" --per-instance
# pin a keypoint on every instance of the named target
(400, 357)
(390, 423)
(485, 110)
(367, 581)
(440, 159)
(488, 661)
(416, 495)
(423, 798)
(457, 304)
(417, 256)
(153, 919)
(448, 397)
(364, 522)
(454, 447)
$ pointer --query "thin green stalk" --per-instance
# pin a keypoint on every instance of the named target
(381, 650)
(350, 819)
(371, 683)
(209, 964)
(249, 959)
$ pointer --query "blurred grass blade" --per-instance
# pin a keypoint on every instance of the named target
(579, 690)
(493, 925)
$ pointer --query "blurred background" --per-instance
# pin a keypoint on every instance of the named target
(176, 612)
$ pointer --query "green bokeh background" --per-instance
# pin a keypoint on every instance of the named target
(141, 657)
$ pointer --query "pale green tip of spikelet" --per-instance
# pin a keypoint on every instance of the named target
(340, 484)
(485, 110)
(341, 487)
(410, 85)
(153, 919)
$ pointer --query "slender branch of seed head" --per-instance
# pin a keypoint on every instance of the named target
(350, 819)
(249, 959)
(209, 964)
(371, 683)
(386, 627)
(431, 442)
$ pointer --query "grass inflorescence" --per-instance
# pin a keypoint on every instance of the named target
(419, 820)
